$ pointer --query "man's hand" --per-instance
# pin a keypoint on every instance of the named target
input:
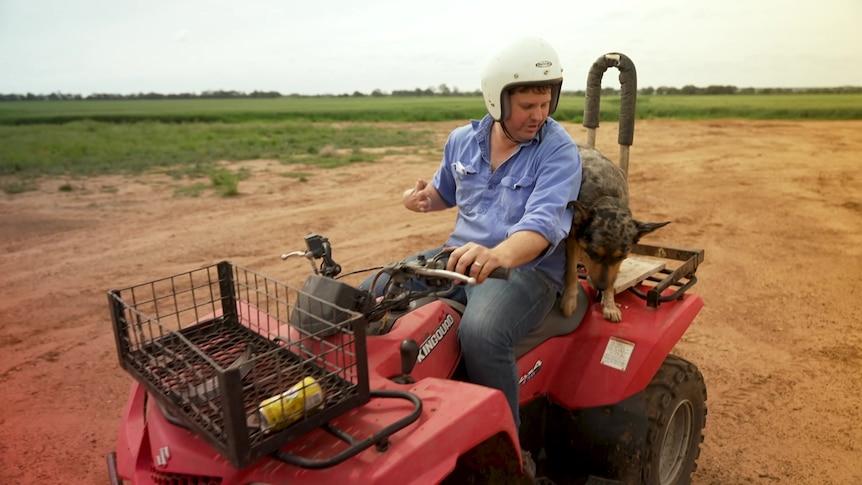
(473, 260)
(420, 198)
(478, 261)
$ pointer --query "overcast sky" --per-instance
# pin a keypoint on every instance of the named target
(342, 46)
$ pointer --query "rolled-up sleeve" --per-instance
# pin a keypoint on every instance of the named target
(557, 181)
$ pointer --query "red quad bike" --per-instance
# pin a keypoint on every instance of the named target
(214, 350)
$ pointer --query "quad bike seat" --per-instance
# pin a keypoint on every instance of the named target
(554, 325)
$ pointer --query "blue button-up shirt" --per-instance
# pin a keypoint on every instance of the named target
(529, 192)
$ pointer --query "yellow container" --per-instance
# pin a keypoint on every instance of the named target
(279, 412)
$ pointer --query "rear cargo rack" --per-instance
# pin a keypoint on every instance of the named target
(212, 344)
(678, 279)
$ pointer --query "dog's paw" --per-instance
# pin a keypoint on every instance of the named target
(612, 313)
(569, 303)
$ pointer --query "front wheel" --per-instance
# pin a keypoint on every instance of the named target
(676, 414)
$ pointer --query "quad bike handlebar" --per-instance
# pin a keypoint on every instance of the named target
(432, 271)
(398, 292)
(415, 268)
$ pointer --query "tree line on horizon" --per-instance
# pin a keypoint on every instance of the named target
(440, 91)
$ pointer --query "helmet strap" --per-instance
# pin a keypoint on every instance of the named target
(512, 138)
(508, 135)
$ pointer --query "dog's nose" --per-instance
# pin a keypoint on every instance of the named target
(600, 285)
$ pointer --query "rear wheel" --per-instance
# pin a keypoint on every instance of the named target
(650, 438)
(676, 413)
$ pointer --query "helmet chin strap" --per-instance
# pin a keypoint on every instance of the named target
(512, 138)
(508, 135)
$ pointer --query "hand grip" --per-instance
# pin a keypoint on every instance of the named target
(500, 273)
(440, 259)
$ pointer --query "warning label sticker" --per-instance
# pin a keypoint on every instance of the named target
(617, 353)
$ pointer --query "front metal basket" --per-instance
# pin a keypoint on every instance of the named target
(213, 344)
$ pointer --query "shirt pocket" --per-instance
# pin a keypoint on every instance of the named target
(468, 188)
(514, 193)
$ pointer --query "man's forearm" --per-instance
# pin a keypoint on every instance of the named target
(520, 248)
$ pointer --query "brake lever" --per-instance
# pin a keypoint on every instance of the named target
(305, 254)
(444, 273)
(318, 248)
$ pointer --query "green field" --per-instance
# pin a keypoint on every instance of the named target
(192, 149)
(188, 136)
(410, 109)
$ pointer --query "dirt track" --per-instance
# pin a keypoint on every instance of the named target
(776, 205)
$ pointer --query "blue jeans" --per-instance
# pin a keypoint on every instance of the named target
(497, 315)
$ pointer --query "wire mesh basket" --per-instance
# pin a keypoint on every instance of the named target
(215, 347)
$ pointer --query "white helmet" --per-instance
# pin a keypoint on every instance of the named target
(527, 61)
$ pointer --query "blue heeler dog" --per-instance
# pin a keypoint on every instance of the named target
(603, 232)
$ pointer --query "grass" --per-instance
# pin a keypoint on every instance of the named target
(398, 109)
(90, 147)
(416, 109)
(758, 107)
(223, 181)
(184, 150)
(186, 138)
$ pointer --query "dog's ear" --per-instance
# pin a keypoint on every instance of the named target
(581, 214)
(644, 228)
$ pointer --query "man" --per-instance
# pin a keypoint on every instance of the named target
(511, 176)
